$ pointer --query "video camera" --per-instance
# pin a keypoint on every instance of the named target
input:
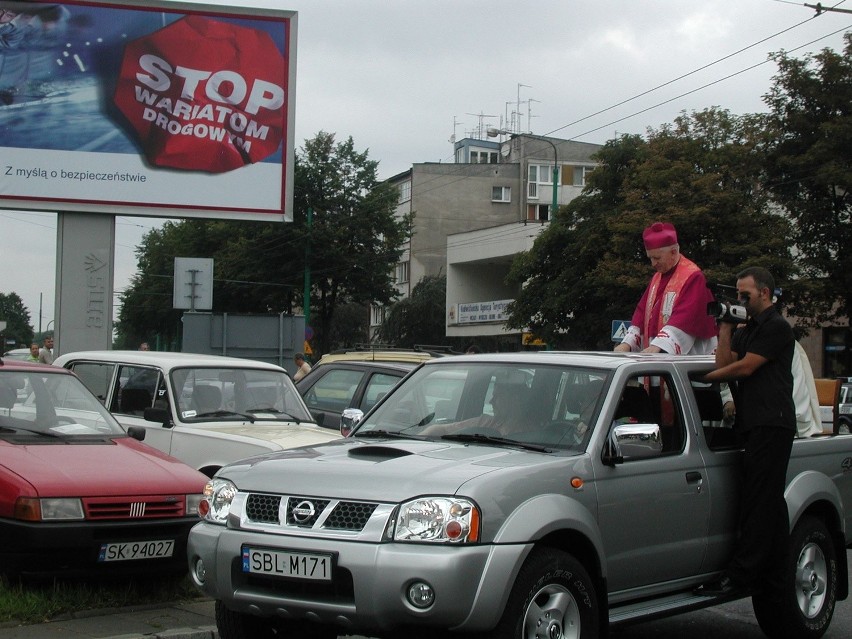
(722, 309)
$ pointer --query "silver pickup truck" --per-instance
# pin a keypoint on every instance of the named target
(518, 495)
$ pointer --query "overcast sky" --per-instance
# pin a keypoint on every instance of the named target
(402, 77)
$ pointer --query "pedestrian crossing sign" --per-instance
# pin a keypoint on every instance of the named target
(619, 329)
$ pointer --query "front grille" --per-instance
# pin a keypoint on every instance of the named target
(350, 515)
(263, 508)
(304, 511)
(146, 507)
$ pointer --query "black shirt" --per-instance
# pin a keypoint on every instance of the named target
(766, 396)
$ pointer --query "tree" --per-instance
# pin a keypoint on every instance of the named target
(419, 318)
(355, 237)
(702, 173)
(17, 317)
(809, 172)
(259, 267)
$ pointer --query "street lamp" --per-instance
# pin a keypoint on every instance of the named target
(492, 132)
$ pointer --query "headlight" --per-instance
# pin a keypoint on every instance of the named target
(216, 504)
(193, 504)
(439, 520)
(48, 509)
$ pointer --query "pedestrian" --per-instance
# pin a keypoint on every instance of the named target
(33, 356)
(144, 346)
(473, 349)
(759, 357)
(302, 367)
(45, 355)
(671, 315)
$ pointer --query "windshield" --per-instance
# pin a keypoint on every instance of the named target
(554, 407)
(43, 404)
(226, 394)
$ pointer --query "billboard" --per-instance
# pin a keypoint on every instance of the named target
(169, 109)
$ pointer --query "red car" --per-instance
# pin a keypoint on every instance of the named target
(79, 495)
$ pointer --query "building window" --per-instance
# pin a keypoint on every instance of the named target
(405, 191)
(483, 157)
(377, 315)
(538, 174)
(401, 272)
(538, 212)
(576, 175)
(541, 173)
(501, 193)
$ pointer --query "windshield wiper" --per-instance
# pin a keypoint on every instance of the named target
(225, 413)
(274, 411)
(31, 431)
(388, 434)
(490, 439)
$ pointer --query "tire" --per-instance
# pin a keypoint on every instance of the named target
(553, 596)
(805, 608)
(238, 625)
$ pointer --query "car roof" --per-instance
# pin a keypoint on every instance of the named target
(403, 367)
(165, 360)
(378, 356)
(7, 364)
(591, 359)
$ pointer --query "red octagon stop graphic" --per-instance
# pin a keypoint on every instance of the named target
(204, 95)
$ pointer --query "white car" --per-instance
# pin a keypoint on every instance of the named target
(206, 410)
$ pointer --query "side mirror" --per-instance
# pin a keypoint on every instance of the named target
(632, 441)
(349, 420)
(159, 415)
(136, 432)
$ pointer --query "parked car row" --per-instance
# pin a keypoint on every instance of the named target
(77, 479)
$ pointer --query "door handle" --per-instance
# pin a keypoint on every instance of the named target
(693, 477)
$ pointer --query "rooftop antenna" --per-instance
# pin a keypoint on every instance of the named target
(518, 123)
(480, 129)
(456, 123)
(529, 113)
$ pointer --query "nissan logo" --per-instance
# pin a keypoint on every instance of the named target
(303, 511)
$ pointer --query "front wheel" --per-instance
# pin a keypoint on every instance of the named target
(552, 598)
(805, 608)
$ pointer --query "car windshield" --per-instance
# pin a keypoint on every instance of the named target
(226, 394)
(546, 406)
(47, 405)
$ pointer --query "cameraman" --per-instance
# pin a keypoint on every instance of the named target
(759, 355)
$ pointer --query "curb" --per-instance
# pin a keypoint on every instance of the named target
(205, 632)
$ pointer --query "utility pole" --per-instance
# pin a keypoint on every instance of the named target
(306, 293)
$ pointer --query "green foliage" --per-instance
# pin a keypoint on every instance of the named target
(39, 602)
(350, 246)
(419, 318)
(354, 238)
(17, 318)
(702, 173)
(809, 171)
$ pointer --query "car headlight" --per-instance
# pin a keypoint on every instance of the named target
(48, 509)
(438, 520)
(193, 504)
(216, 502)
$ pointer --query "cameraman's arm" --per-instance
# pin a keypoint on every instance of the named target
(724, 354)
(738, 369)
